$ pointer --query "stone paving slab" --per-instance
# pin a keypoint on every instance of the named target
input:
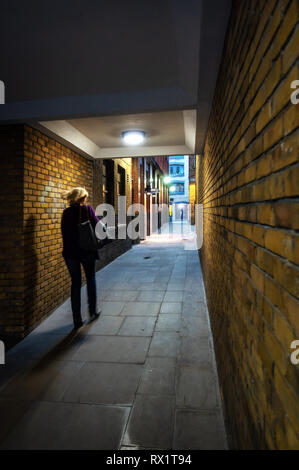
(126, 286)
(58, 386)
(14, 366)
(160, 362)
(113, 349)
(174, 286)
(171, 307)
(149, 428)
(35, 346)
(150, 296)
(141, 308)
(175, 296)
(195, 295)
(195, 326)
(104, 383)
(138, 326)
(165, 344)
(194, 309)
(68, 426)
(169, 322)
(111, 308)
(199, 430)
(44, 381)
(157, 286)
(196, 387)
(158, 380)
(66, 351)
(106, 325)
(195, 351)
(124, 295)
(11, 413)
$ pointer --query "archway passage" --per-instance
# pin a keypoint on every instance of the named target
(244, 133)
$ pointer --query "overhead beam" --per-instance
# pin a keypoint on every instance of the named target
(165, 99)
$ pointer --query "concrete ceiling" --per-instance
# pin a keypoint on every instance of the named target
(161, 128)
(71, 60)
(167, 133)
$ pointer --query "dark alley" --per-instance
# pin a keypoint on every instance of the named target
(149, 209)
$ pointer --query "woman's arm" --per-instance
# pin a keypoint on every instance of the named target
(93, 218)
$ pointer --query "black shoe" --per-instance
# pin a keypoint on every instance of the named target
(94, 316)
(78, 325)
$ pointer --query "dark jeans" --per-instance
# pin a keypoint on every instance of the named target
(74, 268)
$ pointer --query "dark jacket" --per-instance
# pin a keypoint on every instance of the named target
(69, 229)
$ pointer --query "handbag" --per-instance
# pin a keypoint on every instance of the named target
(87, 237)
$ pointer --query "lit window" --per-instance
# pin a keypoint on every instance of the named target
(177, 188)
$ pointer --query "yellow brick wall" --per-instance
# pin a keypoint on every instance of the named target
(11, 231)
(247, 180)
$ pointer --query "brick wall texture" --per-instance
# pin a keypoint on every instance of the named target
(11, 229)
(248, 184)
(35, 169)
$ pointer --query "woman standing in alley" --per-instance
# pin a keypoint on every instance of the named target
(78, 212)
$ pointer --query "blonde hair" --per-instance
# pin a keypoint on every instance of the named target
(75, 195)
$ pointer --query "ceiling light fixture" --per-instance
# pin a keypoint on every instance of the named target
(133, 137)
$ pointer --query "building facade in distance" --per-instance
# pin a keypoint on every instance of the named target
(148, 186)
(179, 187)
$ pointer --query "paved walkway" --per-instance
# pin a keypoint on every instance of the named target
(142, 376)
